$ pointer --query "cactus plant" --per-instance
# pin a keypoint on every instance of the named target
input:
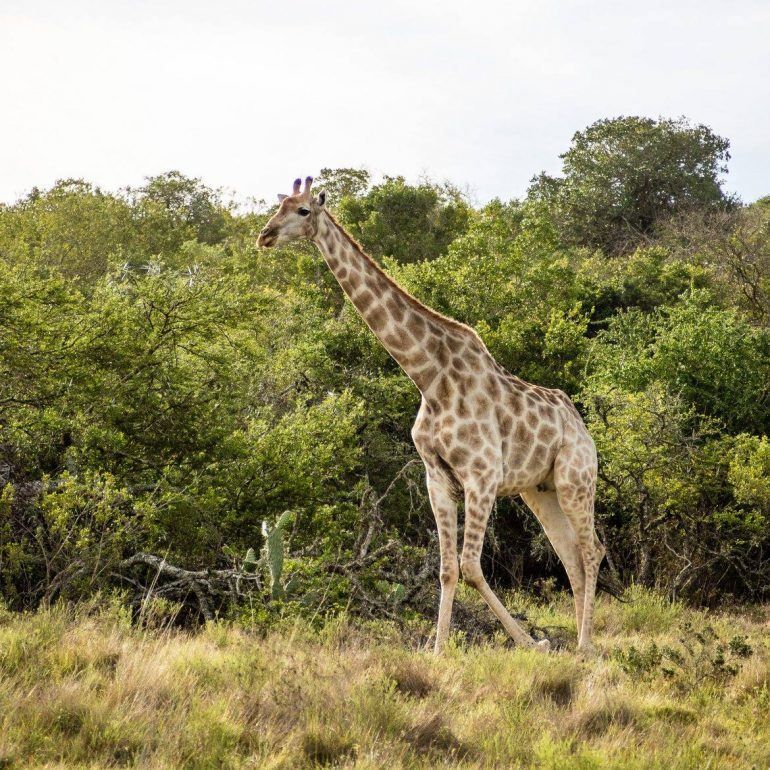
(250, 561)
(273, 552)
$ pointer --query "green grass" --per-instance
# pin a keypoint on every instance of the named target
(85, 688)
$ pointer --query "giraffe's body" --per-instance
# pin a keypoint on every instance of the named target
(481, 432)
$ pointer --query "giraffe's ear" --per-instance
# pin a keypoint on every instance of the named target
(322, 198)
(282, 197)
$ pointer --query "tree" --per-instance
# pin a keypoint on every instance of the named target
(506, 277)
(174, 208)
(713, 358)
(73, 228)
(407, 222)
(622, 176)
(341, 183)
(683, 508)
(734, 245)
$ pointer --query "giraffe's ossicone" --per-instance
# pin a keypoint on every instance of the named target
(481, 432)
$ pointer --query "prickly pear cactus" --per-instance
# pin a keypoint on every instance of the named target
(273, 552)
(250, 561)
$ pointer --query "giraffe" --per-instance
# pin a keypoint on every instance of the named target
(481, 432)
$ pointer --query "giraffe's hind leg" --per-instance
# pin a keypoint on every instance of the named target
(575, 481)
(557, 527)
(592, 551)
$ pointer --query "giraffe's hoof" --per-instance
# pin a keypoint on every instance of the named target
(543, 645)
(587, 652)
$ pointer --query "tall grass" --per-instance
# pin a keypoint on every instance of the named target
(86, 688)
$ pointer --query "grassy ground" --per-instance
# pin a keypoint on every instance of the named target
(86, 689)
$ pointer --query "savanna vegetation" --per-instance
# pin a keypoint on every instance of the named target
(192, 428)
(89, 688)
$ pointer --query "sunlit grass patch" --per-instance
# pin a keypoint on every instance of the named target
(600, 714)
(643, 612)
(84, 689)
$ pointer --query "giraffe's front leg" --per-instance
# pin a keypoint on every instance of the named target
(445, 511)
(478, 505)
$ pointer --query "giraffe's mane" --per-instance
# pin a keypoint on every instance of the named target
(410, 298)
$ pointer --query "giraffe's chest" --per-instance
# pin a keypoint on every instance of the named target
(465, 439)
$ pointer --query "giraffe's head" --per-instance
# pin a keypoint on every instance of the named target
(297, 216)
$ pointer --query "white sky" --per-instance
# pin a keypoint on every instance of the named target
(250, 94)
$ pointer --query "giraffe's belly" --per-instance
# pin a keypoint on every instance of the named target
(515, 482)
(526, 463)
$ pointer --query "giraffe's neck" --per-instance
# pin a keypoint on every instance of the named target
(420, 340)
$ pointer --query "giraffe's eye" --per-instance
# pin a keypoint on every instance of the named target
(303, 212)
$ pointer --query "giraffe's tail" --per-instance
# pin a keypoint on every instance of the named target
(612, 587)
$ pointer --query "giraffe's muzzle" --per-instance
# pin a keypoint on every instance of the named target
(267, 237)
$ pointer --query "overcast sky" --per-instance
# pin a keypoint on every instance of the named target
(249, 94)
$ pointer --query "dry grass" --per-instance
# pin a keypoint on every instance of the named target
(86, 689)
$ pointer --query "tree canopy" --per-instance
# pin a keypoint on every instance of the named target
(407, 222)
(168, 388)
(622, 176)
